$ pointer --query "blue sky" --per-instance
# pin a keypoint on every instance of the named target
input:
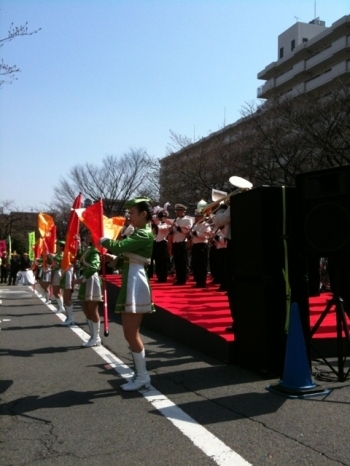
(104, 76)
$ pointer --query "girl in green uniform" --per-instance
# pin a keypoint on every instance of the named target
(90, 291)
(56, 274)
(134, 299)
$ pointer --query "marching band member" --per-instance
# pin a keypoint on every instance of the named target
(161, 247)
(220, 258)
(150, 267)
(44, 276)
(134, 299)
(67, 285)
(127, 228)
(56, 274)
(223, 218)
(90, 290)
(200, 234)
(180, 230)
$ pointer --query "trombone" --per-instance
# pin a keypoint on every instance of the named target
(220, 197)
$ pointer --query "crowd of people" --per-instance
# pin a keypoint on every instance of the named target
(11, 266)
(188, 245)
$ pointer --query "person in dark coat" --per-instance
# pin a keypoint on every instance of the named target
(4, 267)
(15, 265)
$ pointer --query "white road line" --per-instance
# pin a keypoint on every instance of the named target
(210, 445)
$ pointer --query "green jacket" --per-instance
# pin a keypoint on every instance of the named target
(57, 259)
(139, 242)
(90, 262)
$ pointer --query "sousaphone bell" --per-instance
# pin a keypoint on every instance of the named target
(220, 197)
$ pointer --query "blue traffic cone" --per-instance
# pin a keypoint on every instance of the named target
(297, 381)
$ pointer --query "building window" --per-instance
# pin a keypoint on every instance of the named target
(281, 52)
(305, 39)
(292, 45)
(348, 65)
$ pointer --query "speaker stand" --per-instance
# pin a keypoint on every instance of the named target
(342, 326)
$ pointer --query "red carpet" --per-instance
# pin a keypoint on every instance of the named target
(208, 308)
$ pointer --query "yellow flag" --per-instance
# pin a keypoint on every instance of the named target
(113, 226)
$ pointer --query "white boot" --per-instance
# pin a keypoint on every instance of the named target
(95, 340)
(141, 377)
(47, 296)
(60, 304)
(70, 318)
(89, 322)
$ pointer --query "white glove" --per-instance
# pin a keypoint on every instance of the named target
(100, 241)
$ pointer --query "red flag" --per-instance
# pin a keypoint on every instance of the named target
(38, 248)
(71, 246)
(51, 240)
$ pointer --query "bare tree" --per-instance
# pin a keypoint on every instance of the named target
(118, 179)
(177, 142)
(191, 174)
(8, 72)
(300, 133)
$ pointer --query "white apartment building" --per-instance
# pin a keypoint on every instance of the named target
(310, 56)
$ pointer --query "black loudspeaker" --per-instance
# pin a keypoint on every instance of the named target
(324, 208)
(263, 252)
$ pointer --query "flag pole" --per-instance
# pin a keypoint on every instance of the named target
(104, 289)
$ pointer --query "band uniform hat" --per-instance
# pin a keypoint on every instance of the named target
(197, 213)
(180, 207)
(132, 202)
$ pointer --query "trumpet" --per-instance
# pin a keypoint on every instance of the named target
(237, 182)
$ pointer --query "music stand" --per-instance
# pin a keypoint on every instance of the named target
(341, 324)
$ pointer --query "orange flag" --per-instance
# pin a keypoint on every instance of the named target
(47, 230)
(45, 223)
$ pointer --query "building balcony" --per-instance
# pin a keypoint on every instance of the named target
(329, 58)
(262, 90)
(338, 47)
(337, 71)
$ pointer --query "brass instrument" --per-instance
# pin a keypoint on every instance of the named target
(238, 182)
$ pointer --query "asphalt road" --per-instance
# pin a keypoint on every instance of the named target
(61, 404)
